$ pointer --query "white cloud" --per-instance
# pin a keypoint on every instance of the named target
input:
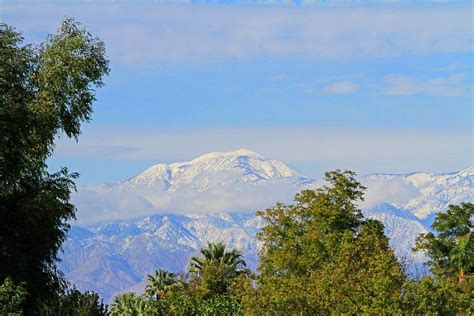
(141, 34)
(395, 191)
(451, 85)
(343, 87)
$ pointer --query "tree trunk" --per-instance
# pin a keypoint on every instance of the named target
(461, 276)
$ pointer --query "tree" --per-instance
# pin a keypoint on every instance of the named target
(12, 297)
(451, 251)
(216, 252)
(450, 287)
(74, 302)
(158, 282)
(320, 256)
(45, 91)
(128, 304)
(437, 296)
(217, 269)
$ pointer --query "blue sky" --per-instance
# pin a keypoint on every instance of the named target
(369, 87)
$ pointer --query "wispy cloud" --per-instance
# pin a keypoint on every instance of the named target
(142, 34)
(343, 87)
(452, 85)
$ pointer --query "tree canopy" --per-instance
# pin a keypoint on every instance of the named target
(451, 250)
(321, 256)
(45, 91)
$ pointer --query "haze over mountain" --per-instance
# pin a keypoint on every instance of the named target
(161, 217)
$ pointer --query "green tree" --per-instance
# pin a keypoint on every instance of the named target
(320, 256)
(128, 304)
(220, 305)
(451, 250)
(217, 252)
(74, 302)
(450, 288)
(437, 296)
(216, 278)
(45, 91)
(158, 282)
(216, 270)
(12, 297)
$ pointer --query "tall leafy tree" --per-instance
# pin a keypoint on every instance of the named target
(45, 91)
(320, 256)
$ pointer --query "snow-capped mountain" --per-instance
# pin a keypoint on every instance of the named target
(221, 169)
(166, 213)
(214, 182)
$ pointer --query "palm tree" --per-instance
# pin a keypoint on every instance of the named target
(158, 282)
(216, 252)
(128, 304)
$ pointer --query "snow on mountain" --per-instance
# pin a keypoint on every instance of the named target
(217, 195)
(211, 183)
(211, 170)
(425, 193)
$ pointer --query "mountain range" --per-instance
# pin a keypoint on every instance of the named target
(161, 217)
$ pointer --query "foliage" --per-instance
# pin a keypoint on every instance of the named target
(438, 296)
(452, 250)
(176, 303)
(208, 290)
(74, 302)
(216, 252)
(158, 282)
(220, 305)
(320, 256)
(216, 278)
(44, 91)
(450, 289)
(128, 304)
(12, 297)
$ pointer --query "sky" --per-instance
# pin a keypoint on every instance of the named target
(375, 87)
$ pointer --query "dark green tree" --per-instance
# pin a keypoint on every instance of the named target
(45, 91)
(76, 303)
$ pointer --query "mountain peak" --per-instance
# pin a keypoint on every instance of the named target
(237, 153)
(232, 170)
